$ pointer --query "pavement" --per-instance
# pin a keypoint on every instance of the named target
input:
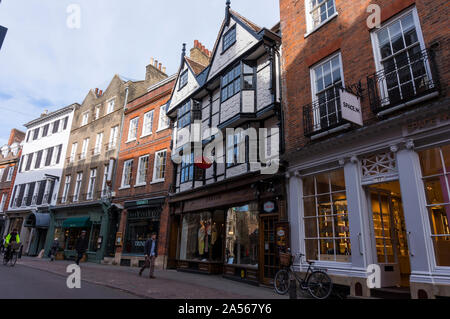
(169, 284)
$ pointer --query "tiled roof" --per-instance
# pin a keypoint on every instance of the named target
(195, 66)
(252, 25)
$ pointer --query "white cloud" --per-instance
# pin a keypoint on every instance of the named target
(45, 65)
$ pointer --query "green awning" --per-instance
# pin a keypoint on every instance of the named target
(77, 222)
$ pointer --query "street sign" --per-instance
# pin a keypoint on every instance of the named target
(351, 107)
(2, 35)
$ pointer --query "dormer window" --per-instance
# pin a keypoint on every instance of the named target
(229, 38)
(183, 79)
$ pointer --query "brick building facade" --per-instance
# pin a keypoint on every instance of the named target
(144, 175)
(85, 193)
(367, 182)
(9, 158)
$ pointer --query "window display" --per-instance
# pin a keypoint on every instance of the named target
(242, 235)
(71, 235)
(202, 236)
(435, 165)
(141, 224)
(327, 231)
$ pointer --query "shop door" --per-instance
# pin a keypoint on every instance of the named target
(390, 234)
(269, 255)
(173, 241)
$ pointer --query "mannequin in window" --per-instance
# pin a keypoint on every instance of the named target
(201, 239)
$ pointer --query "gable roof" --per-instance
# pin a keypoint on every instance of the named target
(196, 67)
(249, 23)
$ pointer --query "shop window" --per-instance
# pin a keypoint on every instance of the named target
(242, 235)
(139, 229)
(94, 238)
(327, 233)
(59, 233)
(435, 164)
(71, 236)
(202, 236)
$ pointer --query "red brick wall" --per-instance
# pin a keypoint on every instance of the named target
(148, 145)
(348, 33)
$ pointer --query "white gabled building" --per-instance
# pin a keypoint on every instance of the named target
(220, 211)
(38, 177)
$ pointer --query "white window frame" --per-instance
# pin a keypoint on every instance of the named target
(97, 112)
(66, 189)
(91, 186)
(148, 117)
(25, 195)
(111, 103)
(375, 43)
(316, 117)
(84, 119)
(156, 167)
(105, 178)
(113, 135)
(84, 149)
(10, 175)
(139, 182)
(126, 165)
(98, 143)
(310, 28)
(2, 172)
(2, 203)
(163, 118)
(132, 129)
(77, 189)
(73, 152)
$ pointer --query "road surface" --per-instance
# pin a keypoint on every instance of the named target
(21, 282)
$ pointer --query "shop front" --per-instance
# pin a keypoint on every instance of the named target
(385, 204)
(230, 233)
(143, 217)
(67, 224)
(37, 222)
(15, 220)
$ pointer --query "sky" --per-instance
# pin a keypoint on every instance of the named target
(46, 65)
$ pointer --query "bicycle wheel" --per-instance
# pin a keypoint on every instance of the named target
(319, 285)
(5, 259)
(13, 259)
(282, 282)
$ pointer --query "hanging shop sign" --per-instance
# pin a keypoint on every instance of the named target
(119, 236)
(282, 234)
(269, 207)
(351, 107)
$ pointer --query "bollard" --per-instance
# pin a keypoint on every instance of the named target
(293, 289)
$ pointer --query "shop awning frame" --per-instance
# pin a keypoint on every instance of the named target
(37, 220)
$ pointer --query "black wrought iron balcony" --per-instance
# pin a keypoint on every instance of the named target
(324, 114)
(406, 79)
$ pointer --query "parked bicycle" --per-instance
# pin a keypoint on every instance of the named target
(316, 282)
(10, 258)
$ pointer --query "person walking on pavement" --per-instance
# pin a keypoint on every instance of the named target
(53, 249)
(151, 253)
(81, 246)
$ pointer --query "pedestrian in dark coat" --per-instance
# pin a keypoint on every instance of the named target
(151, 253)
(81, 246)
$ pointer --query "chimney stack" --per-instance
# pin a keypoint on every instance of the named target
(155, 72)
(200, 54)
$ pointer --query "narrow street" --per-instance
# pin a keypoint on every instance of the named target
(21, 282)
(40, 278)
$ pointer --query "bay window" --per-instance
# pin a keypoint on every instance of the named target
(327, 235)
(435, 164)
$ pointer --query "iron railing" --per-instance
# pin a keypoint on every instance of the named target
(403, 79)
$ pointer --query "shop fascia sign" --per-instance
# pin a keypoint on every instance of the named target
(351, 107)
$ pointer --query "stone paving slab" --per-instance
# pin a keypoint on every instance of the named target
(169, 284)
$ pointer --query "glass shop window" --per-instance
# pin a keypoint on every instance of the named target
(435, 164)
(242, 235)
(202, 236)
(138, 231)
(327, 233)
(72, 234)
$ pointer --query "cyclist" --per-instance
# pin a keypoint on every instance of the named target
(12, 237)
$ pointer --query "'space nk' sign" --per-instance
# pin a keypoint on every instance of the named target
(2, 35)
(351, 107)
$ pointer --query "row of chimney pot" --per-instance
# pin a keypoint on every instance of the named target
(201, 47)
